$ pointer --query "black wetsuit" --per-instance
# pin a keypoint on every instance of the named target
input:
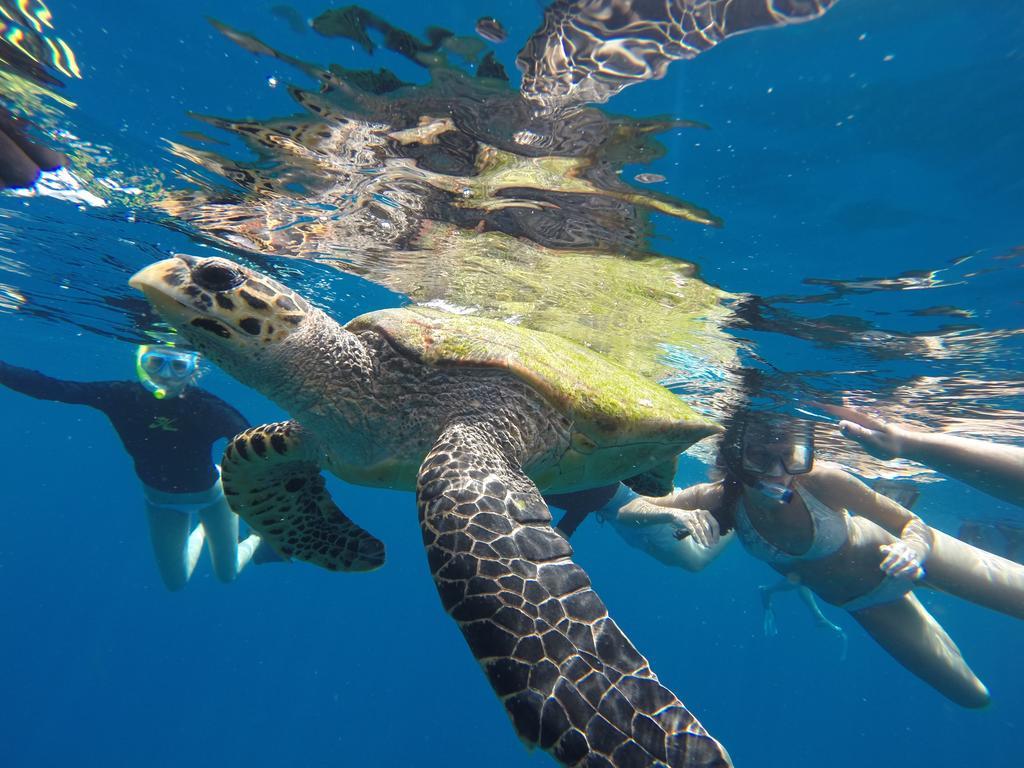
(578, 505)
(169, 440)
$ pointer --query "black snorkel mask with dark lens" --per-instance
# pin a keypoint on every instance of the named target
(761, 449)
(762, 458)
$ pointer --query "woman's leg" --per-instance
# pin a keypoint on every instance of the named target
(916, 640)
(956, 567)
(176, 549)
(221, 526)
(246, 549)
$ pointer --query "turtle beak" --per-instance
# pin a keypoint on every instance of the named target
(162, 284)
(155, 275)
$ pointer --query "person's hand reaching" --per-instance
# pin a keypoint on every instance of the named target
(881, 439)
(698, 523)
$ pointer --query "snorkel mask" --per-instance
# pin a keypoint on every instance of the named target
(162, 369)
(762, 447)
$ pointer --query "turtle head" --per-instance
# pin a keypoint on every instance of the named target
(230, 313)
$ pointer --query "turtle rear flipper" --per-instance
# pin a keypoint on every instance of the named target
(272, 481)
(657, 481)
(570, 679)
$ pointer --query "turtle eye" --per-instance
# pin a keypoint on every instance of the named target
(217, 276)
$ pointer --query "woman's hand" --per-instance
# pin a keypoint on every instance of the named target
(879, 438)
(698, 523)
(902, 561)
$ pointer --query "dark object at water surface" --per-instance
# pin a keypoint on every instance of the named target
(21, 159)
(291, 15)
(491, 67)
(491, 29)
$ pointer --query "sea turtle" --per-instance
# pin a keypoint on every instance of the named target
(476, 415)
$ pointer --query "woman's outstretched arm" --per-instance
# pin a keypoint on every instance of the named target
(990, 467)
(692, 510)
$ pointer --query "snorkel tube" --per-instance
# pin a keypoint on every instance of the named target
(144, 378)
(774, 491)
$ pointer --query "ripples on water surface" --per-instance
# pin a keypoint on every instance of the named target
(831, 210)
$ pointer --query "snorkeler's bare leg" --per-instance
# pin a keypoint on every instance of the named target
(821, 620)
(956, 567)
(195, 548)
(246, 549)
(916, 640)
(221, 526)
(767, 594)
(175, 550)
(808, 598)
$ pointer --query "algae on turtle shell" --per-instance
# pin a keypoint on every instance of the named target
(571, 377)
(633, 311)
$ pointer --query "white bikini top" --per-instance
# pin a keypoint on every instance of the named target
(830, 532)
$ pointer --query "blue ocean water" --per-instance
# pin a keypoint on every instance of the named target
(883, 139)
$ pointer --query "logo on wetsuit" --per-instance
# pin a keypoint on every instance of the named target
(166, 423)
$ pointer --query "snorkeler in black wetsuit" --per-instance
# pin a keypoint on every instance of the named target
(168, 428)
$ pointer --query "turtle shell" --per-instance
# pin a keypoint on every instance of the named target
(610, 406)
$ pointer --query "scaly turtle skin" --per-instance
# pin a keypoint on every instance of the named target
(477, 416)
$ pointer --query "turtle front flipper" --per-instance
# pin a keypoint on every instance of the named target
(272, 481)
(570, 679)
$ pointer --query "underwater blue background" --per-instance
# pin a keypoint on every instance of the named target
(295, 666)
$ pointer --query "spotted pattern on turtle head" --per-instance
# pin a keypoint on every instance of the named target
(227, 299)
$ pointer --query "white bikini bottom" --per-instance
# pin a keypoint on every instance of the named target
(888, 591)
(184, 503)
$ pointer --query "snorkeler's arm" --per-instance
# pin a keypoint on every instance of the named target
(903, 559)
(693, 556)
(42, 387)
(698, 557)
(687, 508)
(990, 467)
(710, 497)
(700, 496)
(697, 529)
(645, 511)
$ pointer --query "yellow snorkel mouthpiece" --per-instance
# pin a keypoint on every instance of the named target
(144, 378)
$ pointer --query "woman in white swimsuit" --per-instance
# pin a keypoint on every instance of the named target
(822, 528)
